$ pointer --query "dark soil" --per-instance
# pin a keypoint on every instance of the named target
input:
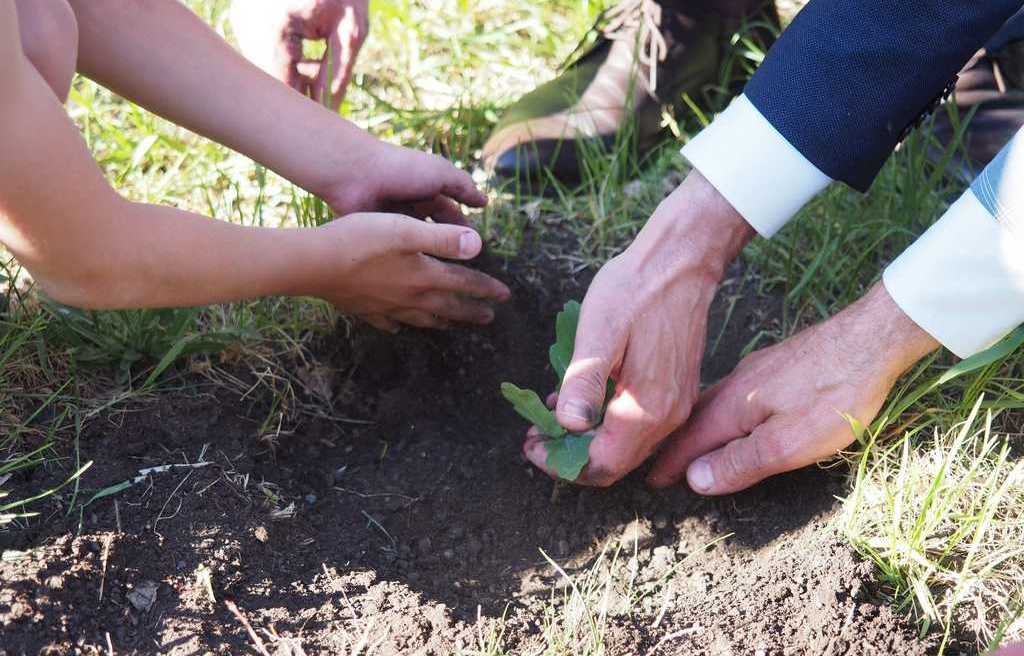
(410, 535)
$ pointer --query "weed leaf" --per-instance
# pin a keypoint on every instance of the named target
(561, 351)
(568, 455)
(532, 409)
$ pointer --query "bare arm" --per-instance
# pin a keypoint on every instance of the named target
(87, 246)
(162, 56)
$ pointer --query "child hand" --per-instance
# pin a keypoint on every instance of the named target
(391, 270)
(400, 180)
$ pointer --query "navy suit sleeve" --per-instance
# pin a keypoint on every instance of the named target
(846, 78)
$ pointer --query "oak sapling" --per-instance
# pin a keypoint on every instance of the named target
(568, 453)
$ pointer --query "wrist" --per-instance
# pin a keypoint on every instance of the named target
(307, 256)
(695, 229)
(342, 173)
(888, 332)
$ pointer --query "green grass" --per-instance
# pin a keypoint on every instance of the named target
(935, 495)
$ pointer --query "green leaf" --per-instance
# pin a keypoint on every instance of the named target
(569, 454)
(561, 351)
(1003, 349)
(532, 409)
(108, 491)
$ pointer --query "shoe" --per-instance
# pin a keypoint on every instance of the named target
(646, 54)
(989, 99)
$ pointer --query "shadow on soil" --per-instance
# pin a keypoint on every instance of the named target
(416, 522)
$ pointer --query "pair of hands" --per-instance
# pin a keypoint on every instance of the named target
(392, 272)
(392, 267)
(643, 323)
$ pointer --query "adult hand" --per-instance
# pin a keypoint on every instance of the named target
(643, 323)
(390, 270)
(783, 407)
(270, 34)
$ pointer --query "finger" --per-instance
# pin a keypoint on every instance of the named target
(780, 444)
(346, 41)
(441, 240)
(382, 323)
(457, 308)
(537, 453)
(457, 184)
(441, 209)
(727, 411)
(419, 319)
(330, 63)
(622, 442)
(742, 462)
(598, 350)
(467, 282)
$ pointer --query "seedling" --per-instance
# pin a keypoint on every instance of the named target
(568, 453)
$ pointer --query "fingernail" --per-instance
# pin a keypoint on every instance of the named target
(578, 410)
(701, 478)
(469, 244)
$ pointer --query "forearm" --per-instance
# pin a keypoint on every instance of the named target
(150, 256)
(162, 56)
(87, 246)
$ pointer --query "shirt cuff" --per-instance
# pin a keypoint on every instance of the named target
(963, 280)
(756, 170)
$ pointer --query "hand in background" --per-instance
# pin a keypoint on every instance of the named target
(786, 406)
(270, 34)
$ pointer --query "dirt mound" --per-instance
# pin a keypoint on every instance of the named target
(417, 533)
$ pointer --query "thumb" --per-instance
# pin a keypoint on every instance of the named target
(598, 351)
(448, 241)
(745, 461)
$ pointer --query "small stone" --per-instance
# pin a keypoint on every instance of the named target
(662, 558)
(261, 534)
(143, 596)
(311, 499)
(633, 188)
(638, 532)
(448, 554)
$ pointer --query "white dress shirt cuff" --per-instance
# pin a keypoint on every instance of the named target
(963, 280)
(762, 175)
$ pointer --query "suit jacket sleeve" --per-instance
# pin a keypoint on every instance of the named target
(834, 96)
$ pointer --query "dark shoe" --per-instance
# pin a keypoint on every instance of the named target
(647, 54)
(989, 100)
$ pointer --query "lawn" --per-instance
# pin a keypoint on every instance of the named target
(272, 477)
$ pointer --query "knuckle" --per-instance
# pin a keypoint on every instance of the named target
(735, 462)
(765, 454)
(589, 382)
